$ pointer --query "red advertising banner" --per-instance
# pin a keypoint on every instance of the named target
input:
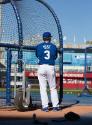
(66, 75)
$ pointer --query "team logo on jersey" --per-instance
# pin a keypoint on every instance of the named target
(46, 46)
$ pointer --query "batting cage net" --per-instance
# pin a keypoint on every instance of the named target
(22, 23)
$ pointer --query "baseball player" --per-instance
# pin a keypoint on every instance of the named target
(46, 53)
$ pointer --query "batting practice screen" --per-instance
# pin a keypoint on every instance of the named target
(22, 23)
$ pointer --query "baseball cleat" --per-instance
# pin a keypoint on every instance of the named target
(56, 109)
(45, 109)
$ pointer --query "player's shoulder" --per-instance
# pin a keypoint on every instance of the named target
(53, 44)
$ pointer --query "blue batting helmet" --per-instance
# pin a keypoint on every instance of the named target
(46, 35)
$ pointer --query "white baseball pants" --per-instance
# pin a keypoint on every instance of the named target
(46, 73)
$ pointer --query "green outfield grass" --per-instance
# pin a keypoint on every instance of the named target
(74, 91)
(66, 91)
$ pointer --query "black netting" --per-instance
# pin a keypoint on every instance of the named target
(8, 24)
(35, 17)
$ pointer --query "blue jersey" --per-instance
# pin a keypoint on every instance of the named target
(46, 52)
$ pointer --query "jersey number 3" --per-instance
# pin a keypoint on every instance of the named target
(47, 54)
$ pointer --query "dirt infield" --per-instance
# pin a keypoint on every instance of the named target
(50, 117)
